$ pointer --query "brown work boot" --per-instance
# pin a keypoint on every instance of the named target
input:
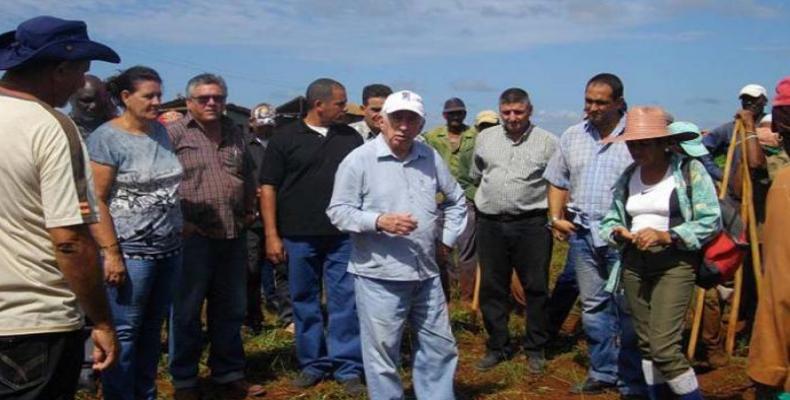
(187, 394)
(717, 357)
(240, 389)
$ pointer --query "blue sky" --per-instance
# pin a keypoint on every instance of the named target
(689, 56)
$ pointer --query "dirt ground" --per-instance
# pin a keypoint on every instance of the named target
(271, 362)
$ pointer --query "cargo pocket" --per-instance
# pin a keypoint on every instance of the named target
(23, 362)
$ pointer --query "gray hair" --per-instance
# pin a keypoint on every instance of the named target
(206, 79)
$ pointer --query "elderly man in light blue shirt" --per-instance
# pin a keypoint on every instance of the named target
(385, 197)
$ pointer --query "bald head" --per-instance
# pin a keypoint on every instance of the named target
(91, 102)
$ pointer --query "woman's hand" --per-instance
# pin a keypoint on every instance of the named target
(622, 234)
(114, 269)
(649, 237)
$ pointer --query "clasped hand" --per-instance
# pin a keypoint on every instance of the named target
(645, 238)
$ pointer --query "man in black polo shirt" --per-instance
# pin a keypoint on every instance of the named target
(297, 178)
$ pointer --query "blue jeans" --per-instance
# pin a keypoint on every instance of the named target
(384, 309)
(213, 270)
(611, 340)
(138, 308)
(311, 260)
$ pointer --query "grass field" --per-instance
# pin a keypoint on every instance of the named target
(271, 362)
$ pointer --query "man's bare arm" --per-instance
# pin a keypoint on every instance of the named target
(560, 227)
(76, 255)
(275, 251)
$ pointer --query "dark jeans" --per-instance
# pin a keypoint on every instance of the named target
(214, 271)
(270, 279)
(524, 245)
(40, 366)
(563, 298)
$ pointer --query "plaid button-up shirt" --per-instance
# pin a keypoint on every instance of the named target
(218, 188)
(588, 170)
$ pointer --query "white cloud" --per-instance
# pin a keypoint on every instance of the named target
(556, 121)
(472, 85)
(370, 31)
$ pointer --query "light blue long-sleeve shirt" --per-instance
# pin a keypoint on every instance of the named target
(371, 181)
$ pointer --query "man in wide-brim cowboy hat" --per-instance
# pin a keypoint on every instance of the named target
(48, 263)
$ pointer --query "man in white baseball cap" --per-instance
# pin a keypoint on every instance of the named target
(385, 197)
(753, 100)
(753, 90)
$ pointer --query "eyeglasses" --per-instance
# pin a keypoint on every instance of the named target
(205, 99)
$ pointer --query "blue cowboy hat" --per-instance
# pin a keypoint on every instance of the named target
(50, 38)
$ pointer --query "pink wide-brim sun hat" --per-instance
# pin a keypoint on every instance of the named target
(644, 123)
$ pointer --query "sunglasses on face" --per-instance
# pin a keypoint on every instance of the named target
(205, 99)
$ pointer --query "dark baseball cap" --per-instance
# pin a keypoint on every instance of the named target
(454, 104)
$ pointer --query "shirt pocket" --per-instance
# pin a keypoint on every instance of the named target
(232, 160)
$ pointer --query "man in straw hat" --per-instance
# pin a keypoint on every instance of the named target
(48, 265)
(581, 174)
(664, 208)
(486, 119)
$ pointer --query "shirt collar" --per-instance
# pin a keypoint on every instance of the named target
(523, 137)
(383, 149)
(226, 124)
(617, 131)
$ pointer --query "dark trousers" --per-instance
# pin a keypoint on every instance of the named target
(257, 269)
(563, 298)
(40, 366)
(524, 245)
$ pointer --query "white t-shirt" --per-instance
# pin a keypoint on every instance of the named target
(322, 130)
(648, 205)
(46, 183)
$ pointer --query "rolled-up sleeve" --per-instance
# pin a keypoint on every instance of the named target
(476, 167)
(557, 173)
(453, 206)
(345, 208)
(706, 214)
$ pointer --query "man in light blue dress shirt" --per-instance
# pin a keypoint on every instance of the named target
(385, 197)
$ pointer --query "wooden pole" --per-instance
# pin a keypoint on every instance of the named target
(746, 197)
(700, 299)
(699, 304)
(729, 343)
(748, 200)
(476, 295)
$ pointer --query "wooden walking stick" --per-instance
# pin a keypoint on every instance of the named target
(476, 295)
(699, 303)
(729, 343)
(746, 205)
(748, 200)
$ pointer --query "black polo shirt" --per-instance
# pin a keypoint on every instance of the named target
(301, 164)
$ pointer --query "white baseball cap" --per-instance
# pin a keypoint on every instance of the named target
(753, 90)
(404, 100)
